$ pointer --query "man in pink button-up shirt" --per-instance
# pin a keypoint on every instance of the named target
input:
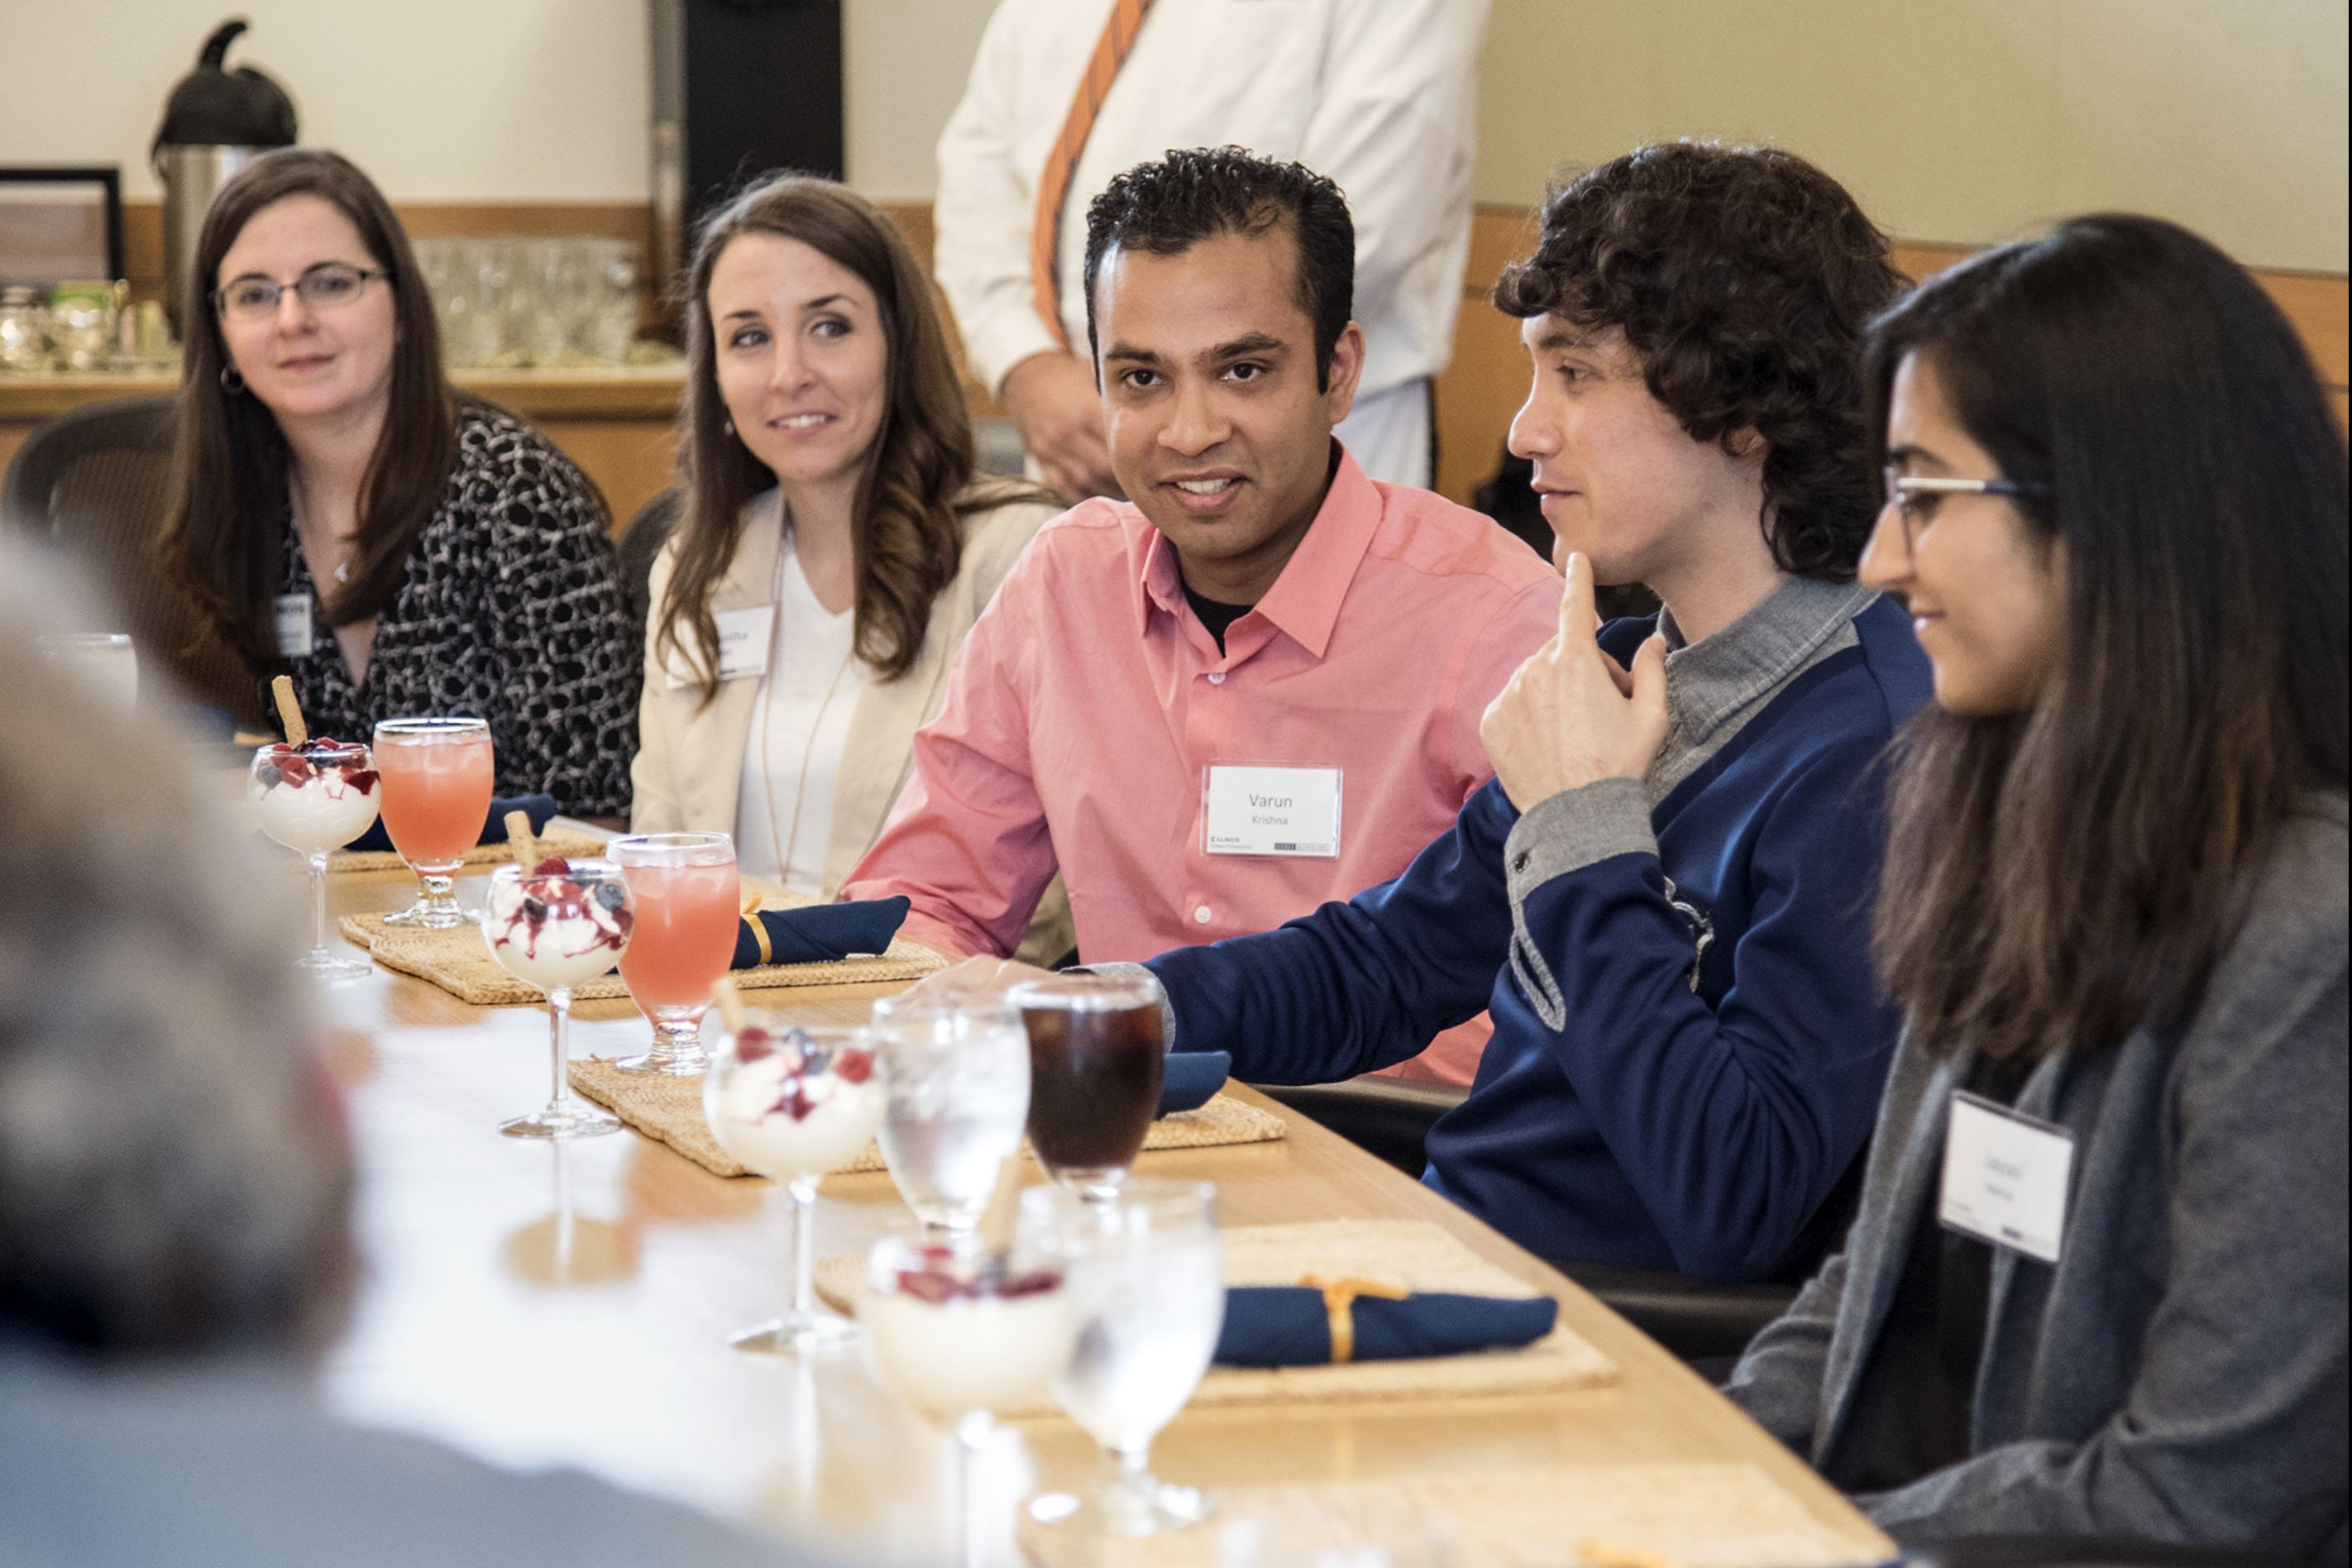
(1259, 604)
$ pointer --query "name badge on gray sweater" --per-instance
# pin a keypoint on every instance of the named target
(2005, 1177)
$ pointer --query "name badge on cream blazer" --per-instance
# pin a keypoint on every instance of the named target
(2005, 1177)
(744, 639)
(1253, 809)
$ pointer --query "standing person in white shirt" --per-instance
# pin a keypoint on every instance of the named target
(1379, 95)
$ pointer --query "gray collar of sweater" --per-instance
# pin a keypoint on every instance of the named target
(1714, 685)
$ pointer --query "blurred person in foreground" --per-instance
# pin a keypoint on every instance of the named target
(2096, 1284)
(175, 1185)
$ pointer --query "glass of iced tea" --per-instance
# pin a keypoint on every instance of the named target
(437, 774)
(688, 898)
(1095, 1057)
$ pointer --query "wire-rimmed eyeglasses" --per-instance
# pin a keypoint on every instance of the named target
(326, 287)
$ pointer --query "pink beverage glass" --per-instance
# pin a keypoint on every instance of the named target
(688, 907)
(315, 798)
(557, 930)
(794, 1104)
(437, 774)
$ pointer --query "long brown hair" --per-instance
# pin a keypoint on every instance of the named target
(916, 487)
(2058, 878)
(224, 537)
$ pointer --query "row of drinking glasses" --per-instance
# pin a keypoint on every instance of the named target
(1112, 1292)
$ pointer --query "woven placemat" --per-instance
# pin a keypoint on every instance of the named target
(669, 1110)
(560, 841)
(1700, 1515)
(1411, 1253)
(458, 960)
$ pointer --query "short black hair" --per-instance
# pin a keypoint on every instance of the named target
(1170, 205)
(1745, 279)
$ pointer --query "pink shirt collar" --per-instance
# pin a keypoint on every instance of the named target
(1303, 603)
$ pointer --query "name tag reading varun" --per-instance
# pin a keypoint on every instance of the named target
(2005, 1178)
(1253, 809)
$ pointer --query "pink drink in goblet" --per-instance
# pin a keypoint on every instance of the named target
(437, 776)
(687, 904)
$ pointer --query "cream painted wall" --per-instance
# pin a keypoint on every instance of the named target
(1957, 119)
(1954, 119)
(438, 99)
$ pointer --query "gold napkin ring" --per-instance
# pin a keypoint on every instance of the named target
(760, 937)
(1339, 1304)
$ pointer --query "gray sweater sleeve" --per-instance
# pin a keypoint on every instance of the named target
(1779, 1378)
(2233, 1428)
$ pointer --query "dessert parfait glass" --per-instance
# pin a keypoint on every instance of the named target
(793, 1104)
(1146, 1280)
(314, 798)
(561, 924)
(1095, 1058)
(437, 778)
(958, 1071)
(961, 1333)
(688, 898)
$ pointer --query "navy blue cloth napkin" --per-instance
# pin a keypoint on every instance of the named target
(539, 809)
(1288, 1325)
(820, 933)
(1189, 1079)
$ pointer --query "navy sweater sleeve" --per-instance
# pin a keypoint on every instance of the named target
(1732, 1121)
(1361, 984)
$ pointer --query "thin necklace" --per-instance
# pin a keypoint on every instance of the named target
(294, 496)
(768, 714)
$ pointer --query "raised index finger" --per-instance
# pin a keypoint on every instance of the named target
(1575, 613)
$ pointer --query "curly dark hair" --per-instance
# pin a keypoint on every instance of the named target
(1167, 206)
(1745, 279)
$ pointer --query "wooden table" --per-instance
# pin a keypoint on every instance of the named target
(540, 1305)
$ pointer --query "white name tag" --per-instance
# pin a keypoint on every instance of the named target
(2005, 1177)
(1253, 810)
(744, 639)
(294, 630)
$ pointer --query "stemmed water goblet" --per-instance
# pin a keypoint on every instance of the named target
(314, 798)
(958, 1066)
(556, 930)
(437, 778)
(1145, 1274)
(793, 1104)
(1095, 1060)
(687, 902)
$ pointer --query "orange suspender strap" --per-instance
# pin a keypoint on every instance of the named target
(1111, 50)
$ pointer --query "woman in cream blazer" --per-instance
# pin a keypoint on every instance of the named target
(823, 432)
(689, 770)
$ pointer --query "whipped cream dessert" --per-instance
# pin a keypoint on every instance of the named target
(555, 930)
(954, 1338)
(784, 1122)
(314, 797)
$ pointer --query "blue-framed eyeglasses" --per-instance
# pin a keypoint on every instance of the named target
(1913, 496)
(326, 287)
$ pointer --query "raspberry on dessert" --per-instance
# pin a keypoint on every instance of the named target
(753, 1044)
(852, 1066)
(553, 866)
(361, 779)
(294, 770)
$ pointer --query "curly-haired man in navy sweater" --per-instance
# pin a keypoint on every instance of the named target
(1664, 896)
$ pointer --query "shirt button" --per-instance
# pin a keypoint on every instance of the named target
(1519, 861)
(1201, 915)
(1216, 677)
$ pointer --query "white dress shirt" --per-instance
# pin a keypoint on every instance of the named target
(1379, 95)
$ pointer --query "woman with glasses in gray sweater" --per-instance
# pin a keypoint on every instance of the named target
(2097, 1287)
